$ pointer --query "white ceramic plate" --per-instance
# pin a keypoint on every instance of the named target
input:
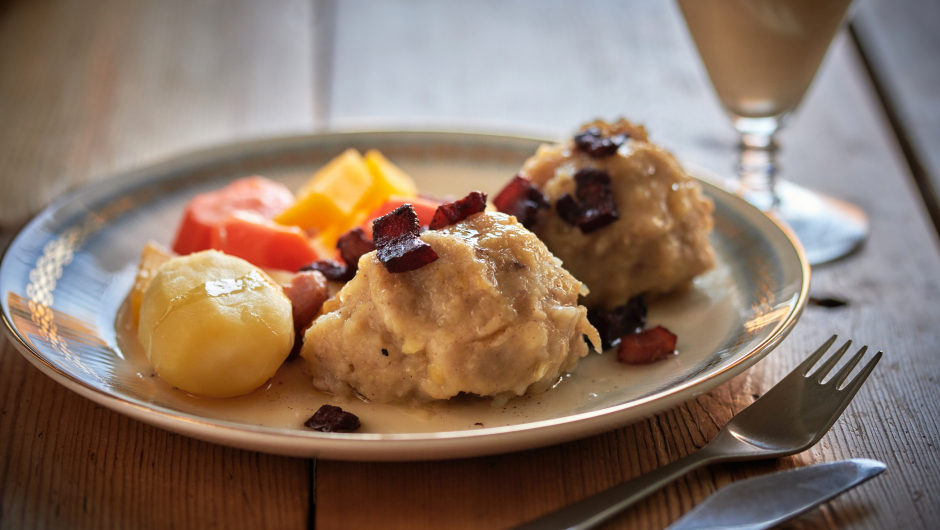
(65, 276)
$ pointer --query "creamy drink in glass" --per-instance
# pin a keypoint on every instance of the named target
(761, 56)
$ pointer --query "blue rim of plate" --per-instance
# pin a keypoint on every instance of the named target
(64, 211)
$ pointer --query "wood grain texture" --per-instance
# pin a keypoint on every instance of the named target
(507, 64)
(901, 41)
(88, 88)
(66, 462)
(560, 64)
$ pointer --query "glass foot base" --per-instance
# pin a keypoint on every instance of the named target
(827, 227)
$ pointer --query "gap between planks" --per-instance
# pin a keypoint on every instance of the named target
(928, 192)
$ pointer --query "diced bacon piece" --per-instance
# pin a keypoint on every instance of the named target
(568, 209)
(521, 199)
(594, 192)
(648, 346)
(627, 319)
(334, 271)
(454, 212)
(406, 254)
(353, 245)
(424, 208)
(307, 292)
(330, 418)
(595, 207)
(593, 142)
(397, 244)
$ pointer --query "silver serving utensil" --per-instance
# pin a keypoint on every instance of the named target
(790, 418)
(763, 502)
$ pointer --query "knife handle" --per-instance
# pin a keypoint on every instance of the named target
(594, 510)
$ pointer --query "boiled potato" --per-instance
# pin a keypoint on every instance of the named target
(152, 257)
(214, 325)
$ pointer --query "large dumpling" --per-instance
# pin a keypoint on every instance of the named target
(660, 241)
(215, 325)
(496, 315)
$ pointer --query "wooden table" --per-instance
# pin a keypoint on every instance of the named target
(88, 88)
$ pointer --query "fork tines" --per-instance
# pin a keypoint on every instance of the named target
(831, 363)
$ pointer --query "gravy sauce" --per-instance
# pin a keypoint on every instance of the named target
(702, 316)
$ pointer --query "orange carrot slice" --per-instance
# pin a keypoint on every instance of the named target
(256, 194)
(262, 242)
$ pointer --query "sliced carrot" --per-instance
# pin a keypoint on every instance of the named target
(262, 242)
(255, 194)
(425, 209)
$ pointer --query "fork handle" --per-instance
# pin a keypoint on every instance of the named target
(593, 510)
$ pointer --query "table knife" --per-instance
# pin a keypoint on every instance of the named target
(766, 501)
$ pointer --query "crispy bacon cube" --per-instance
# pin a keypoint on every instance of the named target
(521, 199)
(307, 292)
(353, 245)
(568, 209)
(626, 319)
(593, 142)
(595, 207)
(647, 346)
(333, 419)
(454, 212)
(397, 244)
(333, 270)
(596, 197)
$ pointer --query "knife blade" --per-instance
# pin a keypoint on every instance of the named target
(766, 501)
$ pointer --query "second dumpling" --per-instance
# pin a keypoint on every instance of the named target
(496, 315)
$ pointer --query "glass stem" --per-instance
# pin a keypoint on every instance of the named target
(757, 169)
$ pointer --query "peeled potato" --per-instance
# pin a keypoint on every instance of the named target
(215, 325)
(152, 257)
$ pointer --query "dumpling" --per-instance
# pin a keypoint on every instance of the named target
(659, 243)
(496, 315)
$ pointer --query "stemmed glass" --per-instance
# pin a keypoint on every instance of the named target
(761, 56)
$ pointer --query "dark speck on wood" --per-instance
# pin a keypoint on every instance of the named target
(828, 302)
(384, 352)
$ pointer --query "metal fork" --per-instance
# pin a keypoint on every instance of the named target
(788, 419)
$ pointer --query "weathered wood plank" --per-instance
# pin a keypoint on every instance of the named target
(88, 88)
(508, 64)
(561, 64)
(66, 462)
(902, 44)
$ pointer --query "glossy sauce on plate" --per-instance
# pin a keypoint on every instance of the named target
(288, 399)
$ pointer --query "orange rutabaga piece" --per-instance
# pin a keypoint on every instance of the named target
(388, 180)
(340, 195)
(332, 195)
